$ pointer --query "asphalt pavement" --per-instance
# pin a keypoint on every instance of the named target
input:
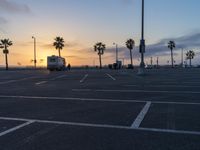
(100, 110)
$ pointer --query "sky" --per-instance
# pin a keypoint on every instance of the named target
(82, 23)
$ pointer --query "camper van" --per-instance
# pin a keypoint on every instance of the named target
(56, 63)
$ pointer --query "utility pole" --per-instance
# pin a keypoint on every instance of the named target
(35, 60)
(142, 45)
(151, 61)
(182, 57)
(116, 52)
(157, 62)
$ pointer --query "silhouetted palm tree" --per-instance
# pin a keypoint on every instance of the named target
(59, 44)
(100, 48)
(130, 44)
(4, 44)
(171, 46)
(190, 55)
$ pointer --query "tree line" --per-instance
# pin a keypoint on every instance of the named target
(99, 47)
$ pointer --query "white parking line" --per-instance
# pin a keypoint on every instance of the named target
(6, 82)
(140, 117)
(111, 76)
(99, 100)
(83, 79)
(132, 85)
(83, 90)
(30, 121)
(140, 91)
(16, 128)
(75, 99)
(66, 123)
(42, 82)
(12, 81)
(170, 131)
(187, 82)
(179, 86)
(175, 83)
(147, 91)
(59, 77)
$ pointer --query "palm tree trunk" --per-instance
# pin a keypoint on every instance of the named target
(100, 62)
(131, 58)
(190, 62)
(172, 60)
(6, 57)
(59, 53)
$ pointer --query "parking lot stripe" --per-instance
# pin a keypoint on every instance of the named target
(142, 91)
(147, 91)
(15, 119)
(30, 121)
(140, 117)
(170, 131)
(59, 77)
(12, 81)
(42, 82)
(83, 90)
(111, 76)
(100, 100)
(75, 99)
(16, 128)
(83, 79)
(6, 82)
(64, 123)
(183, 86)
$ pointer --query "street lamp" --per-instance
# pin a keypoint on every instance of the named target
(35, 61)
(182, 57)
(157, 62)
(151, 61)
(116, 52)
(142, 44)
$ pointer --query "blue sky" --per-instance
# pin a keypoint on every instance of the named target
(84, 22)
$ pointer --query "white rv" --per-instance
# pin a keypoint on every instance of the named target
(55, 63)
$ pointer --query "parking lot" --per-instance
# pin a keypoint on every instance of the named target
(100, 110)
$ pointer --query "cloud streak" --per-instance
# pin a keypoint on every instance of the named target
(3, 20)
(68, 44)
(160, 48)
(12, 7)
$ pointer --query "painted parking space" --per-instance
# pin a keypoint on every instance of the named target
(183, 117)
(107, 107)
(97, 112)
(52, 136)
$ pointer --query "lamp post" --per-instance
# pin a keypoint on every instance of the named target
(182, 57)
(157, 62)
(151, 61)
(35, 60)
(116, 51)
(142, 44)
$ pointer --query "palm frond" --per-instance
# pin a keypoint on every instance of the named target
(130, 44)
(5, 43)
(100, 48)
(59, 43)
